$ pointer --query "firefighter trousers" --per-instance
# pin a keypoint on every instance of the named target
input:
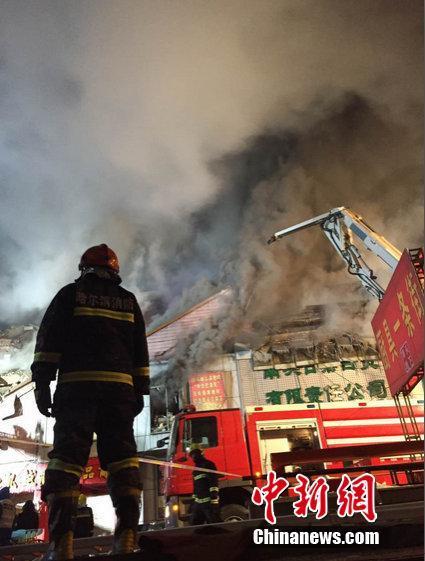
(203, 513)
(82, 409)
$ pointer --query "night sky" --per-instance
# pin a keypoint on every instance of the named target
(184, 133)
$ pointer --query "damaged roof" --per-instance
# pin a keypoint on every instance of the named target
(164, 338)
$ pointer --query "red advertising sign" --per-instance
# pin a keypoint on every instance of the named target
(207, 390)
(398, 327)
(93, 480)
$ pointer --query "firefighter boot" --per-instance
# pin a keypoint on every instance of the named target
(62, 513)
(128, 511)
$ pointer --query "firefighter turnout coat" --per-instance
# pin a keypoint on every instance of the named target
(205, 485)
(205, 494)
(93, 331)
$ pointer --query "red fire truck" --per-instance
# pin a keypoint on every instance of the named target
(241, 442)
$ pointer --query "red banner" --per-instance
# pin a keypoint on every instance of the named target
(398, 327)
(207, 390)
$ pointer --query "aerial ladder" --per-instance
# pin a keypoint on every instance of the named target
(339, 225)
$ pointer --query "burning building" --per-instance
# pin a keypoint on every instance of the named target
(297, 361)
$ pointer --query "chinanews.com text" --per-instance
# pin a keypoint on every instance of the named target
(263, 536)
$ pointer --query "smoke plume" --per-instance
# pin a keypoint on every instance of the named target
(184, 134)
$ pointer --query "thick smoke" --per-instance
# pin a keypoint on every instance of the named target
(184, 134)
(350, 155)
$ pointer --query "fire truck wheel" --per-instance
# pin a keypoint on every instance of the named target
(234, 513)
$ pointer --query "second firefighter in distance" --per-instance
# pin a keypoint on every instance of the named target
(205, 507)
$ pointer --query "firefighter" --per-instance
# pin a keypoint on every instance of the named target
(93, 334)
(205, 507)
(84, 523)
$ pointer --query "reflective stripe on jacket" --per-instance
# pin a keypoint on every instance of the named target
(205, 485)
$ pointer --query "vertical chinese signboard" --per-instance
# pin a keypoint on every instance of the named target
(398, 328)
(207, 390)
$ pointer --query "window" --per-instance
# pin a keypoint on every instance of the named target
(174, 439)
(201, 430)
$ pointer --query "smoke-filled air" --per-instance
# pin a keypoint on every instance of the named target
(183, 134)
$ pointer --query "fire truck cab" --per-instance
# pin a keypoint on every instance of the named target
(220, 433)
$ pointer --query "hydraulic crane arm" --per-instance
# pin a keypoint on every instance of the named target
(339, 225)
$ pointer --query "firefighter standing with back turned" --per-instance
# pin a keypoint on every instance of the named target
(205, 507)
(93, 333)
